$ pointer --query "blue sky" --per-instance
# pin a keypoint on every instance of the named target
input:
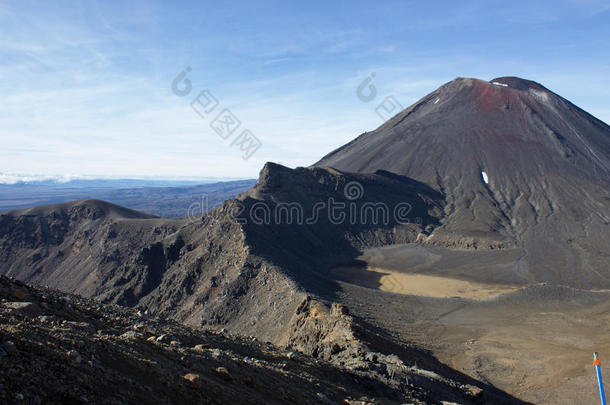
(86, 86)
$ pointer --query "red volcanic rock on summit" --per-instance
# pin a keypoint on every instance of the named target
(547, 163)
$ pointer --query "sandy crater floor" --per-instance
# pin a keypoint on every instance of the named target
(420, 284)
(475, 311)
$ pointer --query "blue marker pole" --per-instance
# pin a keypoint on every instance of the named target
(597, 365)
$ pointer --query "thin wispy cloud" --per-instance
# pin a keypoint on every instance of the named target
(86, 87)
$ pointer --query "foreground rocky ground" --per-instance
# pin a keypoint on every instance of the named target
(60, 348)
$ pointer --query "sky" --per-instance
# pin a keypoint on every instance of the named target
(86, 87)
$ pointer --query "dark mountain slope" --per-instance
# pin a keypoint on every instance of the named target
(333, 223)
(547, 163)
(61, 349)
(267, 279)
